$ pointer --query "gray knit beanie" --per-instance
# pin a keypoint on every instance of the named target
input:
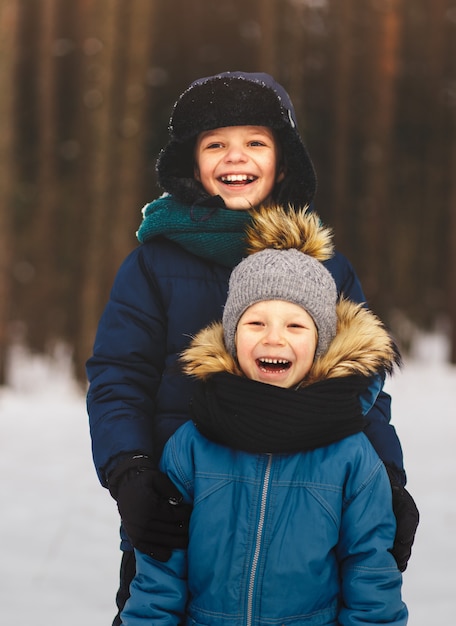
(287, 275)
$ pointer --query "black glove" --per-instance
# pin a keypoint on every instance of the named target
(407, 519)
(150, 506)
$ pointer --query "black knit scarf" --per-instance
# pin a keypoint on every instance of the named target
(255, 417)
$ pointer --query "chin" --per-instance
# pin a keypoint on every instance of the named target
(241, 205)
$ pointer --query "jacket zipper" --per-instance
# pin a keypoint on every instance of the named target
(258, 540)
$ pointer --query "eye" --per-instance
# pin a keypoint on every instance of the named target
(253, 323)
(213, 145)
(256, 143)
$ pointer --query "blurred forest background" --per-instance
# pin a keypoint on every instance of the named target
(86, 90)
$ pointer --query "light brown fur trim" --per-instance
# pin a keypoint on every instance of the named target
(362, 346)
(275, 227)
(207, 354)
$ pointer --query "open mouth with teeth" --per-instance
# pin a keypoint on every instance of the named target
(237, 179)
(273, 365)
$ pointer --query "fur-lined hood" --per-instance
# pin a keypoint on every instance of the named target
(361, 346)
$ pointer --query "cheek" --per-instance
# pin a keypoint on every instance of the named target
(307, 352)
(204, 174)
(202, 167)
(273, 175)
(243, 353)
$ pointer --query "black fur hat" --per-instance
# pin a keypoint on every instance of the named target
(234, 99)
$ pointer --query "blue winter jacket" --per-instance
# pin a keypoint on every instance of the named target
(137, 397)
(275, 539)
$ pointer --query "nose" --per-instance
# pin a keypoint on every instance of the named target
(235, 154)
(273, 336)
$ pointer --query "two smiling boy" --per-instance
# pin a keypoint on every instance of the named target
(233, 145)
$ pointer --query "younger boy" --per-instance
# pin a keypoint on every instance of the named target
(292, 519)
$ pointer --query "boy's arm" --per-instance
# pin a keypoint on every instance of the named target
(371, 581)
(158, 593)
(125, 369)
(124, 374)
(383, 436)
(380, 432)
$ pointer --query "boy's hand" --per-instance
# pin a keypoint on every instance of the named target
(150, 506)
(407, 519)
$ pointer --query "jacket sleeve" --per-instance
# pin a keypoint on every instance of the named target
(380, 432)
(125, 368)
(158, 593)
(371, 581)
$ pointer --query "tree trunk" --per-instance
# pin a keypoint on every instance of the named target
(437, 159)
(97, 130)
(381, 71)
(341, 114)
(127, 190)
(8, 28)
(116, 112)
(268, 48)
(43, 322)
(450, 270)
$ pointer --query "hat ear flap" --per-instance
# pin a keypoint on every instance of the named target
(176, 173)
(281, 173)
(299, 184)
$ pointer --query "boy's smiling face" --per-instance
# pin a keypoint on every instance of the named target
(238, 163)
(276, 342)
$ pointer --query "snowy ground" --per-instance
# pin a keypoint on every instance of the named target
(59, 528)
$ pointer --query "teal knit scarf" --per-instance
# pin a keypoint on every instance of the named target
(215, 234)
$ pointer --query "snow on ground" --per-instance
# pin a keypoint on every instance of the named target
(59, 528)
